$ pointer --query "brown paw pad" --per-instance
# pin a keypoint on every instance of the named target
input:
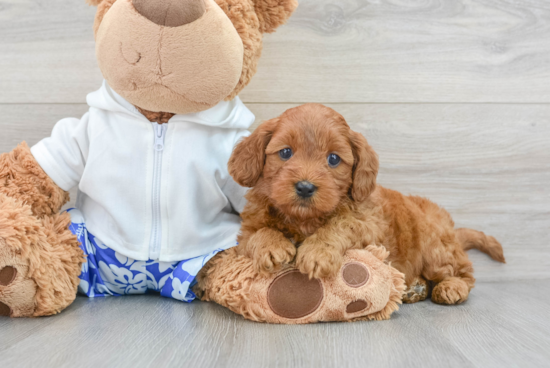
(293, 295)
(7, 275)
(355, 274)
(5, 310)
(356, 306)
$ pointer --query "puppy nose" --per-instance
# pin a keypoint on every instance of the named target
(305, 189)
(170, 13)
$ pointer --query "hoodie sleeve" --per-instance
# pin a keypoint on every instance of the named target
(233, 191)
(63, 155)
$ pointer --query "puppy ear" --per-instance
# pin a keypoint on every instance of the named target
(273, 13)
(248, 159)
(365, 167)
(93, 2)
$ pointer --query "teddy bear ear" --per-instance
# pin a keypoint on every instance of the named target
(93, 2)
(273, 13)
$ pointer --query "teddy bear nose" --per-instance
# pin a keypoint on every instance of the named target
(170, 13)
(305, 189)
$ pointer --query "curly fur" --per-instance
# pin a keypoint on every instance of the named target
(227, 279)
(348, 210)
(22, 178)
(156, 117)
(46, 254)
(273, 13)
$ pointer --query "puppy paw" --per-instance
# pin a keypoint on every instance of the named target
(451, 291)
(318, 260)
(270, 257)
(416, 291)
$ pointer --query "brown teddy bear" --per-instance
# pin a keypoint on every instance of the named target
(157, 208)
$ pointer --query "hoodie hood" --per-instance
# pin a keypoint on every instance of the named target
(226, 114)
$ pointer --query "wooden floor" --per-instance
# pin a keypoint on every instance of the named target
(502, 325)
(454, 95)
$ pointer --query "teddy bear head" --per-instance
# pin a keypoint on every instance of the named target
(182, 56)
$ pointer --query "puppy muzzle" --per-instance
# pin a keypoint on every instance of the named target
(305, 189)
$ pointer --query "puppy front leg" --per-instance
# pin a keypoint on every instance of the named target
(270, 249)
(321, 255)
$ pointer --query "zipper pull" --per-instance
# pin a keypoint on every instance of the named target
(160, 132)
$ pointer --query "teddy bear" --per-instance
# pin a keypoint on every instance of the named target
(156, 207)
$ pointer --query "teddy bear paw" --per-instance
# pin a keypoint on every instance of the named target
(365, 288)
(17, 292)
(7, 275)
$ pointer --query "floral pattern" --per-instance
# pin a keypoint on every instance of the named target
(109, 273)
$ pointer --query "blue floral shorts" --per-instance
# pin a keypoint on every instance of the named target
(106, 272)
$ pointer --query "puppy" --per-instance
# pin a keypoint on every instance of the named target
(315, 196)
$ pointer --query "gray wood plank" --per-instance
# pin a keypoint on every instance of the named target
(489, 165)
(503, 324)
(345, 51)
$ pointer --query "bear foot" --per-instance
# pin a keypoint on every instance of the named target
(17, 292)
(365, 288)
(40, 260)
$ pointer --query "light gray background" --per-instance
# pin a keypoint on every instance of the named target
(454, 95)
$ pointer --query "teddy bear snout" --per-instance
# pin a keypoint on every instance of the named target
(170, 13)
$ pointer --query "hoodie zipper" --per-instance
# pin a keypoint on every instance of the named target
(156, 229)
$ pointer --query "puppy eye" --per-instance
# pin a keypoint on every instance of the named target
(333, 160)
(285, 154)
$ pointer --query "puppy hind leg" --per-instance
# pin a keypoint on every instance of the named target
(453, 290)
(417, 287)
(450, 269)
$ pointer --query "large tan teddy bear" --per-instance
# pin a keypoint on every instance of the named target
(157, 209)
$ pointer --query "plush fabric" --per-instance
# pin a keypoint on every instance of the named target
(21, 177)
(163, 61)
(170, 13)
(170, 69)
(231, 280)
(156, 117)
(251, 18)
(46, 256)
(119, 211)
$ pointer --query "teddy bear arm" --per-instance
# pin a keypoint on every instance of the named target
(22, 178)
(274, 13)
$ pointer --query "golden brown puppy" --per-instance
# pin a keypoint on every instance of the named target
(315, 196)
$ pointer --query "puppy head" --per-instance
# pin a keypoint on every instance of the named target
(306, 161)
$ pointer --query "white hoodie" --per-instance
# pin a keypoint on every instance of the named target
(151, 191)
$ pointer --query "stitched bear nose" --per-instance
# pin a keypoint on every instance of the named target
(170, 13)
(305, 189)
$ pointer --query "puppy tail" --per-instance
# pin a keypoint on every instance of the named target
(473, 239)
